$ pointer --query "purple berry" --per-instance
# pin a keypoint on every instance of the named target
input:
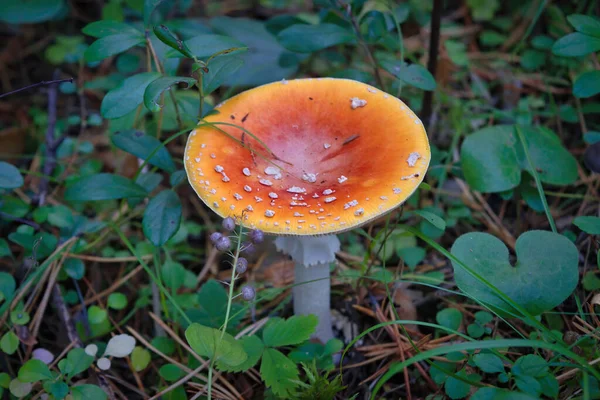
(241, 266)
(257, 236)
(248, 248)
(228, 224)
(223, 244)
(248, 293)
(215, 236)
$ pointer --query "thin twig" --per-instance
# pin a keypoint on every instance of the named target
(42, 83)
(434, 44)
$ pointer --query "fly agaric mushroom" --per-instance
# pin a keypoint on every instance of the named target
(307, 159)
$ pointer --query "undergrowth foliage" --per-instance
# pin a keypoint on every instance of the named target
(117, 282)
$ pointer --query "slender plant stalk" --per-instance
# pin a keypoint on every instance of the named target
(236, 256)
(536, 176)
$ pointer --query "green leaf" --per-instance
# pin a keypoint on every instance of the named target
(291, 331)
(436, 221)
(142, 146)
(9, 342)
(88, 392)
(170, 372)
(126, 97)
(4, 380)
(588, 224)
(173, 274)
(140, 358)
(162, 217)
(149, 7)
(113, 44)
(451, 318)
(96, 315)
(530, 365)
(488, 393)
(167, 37)
(212, 305)
(278, 372)
(117, 301)
(413, 74)
(77, 361)
(544, 275)
(31, 12)
(58, 390)
(266, 61)
(587, 84)
(457, 389)
(253, 347)
(576, 45)
(488, 363)
(586, 24)
(303, 38)
(219, 71)
(204, 46)
(102, 28)
(74, 267)
(102, 186)
(33, 371)
(550, 386)
(10, 177)
(160, 85)
(19, 389)
(492, 158)
(204, 341)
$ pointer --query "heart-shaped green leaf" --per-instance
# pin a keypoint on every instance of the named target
(492, 158)
(544, 275)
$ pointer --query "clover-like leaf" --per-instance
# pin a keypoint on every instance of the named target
(545, 274)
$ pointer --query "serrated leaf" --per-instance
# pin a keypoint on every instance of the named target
(291, 331)
(208, 342)
(113, 44)
(126, 97)
(162, 217)
(253, 347)
(142, 145)
(33, 371)
(219, 70)
(102, 187)
(278, 372)
(10, 177)
(304, 38)
(488, 363)
(160, 85)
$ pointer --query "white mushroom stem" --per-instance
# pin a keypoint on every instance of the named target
(312, 256)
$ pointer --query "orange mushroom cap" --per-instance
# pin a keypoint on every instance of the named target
(308, 156)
